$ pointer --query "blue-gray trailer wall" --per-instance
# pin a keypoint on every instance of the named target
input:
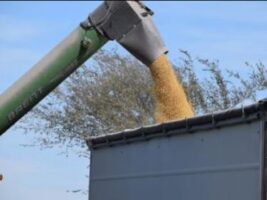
(220, 156)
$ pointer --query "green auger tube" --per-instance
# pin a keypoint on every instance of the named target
(128, 22)
(47, 74)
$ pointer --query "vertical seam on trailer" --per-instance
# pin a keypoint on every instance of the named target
(264, 167)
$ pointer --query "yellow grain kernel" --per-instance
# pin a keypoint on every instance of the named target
(171, 100)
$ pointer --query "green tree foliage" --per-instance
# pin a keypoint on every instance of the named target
(115, 92)
(212, 88)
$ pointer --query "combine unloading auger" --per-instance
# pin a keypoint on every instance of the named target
(128, 22)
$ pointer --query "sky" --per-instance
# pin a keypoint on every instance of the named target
(232, 32)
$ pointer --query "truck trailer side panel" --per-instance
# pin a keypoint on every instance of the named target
(219, 163)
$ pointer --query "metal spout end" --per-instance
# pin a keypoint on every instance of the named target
(131, 24)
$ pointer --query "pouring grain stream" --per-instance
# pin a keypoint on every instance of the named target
(171, 100)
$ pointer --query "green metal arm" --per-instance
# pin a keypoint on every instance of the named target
(128, 22)
(47, 74)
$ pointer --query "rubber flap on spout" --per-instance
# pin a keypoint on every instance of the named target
(131, 24)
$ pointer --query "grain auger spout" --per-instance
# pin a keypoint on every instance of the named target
(128, 22)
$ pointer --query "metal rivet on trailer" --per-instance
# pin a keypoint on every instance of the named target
(124, 137)
(213, 122)
(108, 142)
(143, 133)
(164, 131)
(186, 124)
(163, 128)
(244, 116)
